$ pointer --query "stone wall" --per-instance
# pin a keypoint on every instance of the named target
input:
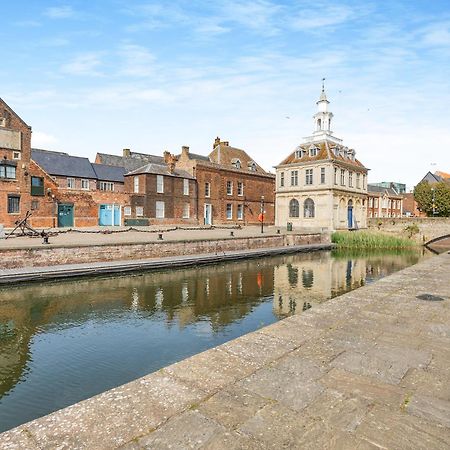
(428, 227)
(54, 255)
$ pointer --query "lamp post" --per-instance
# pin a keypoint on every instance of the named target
(262, 214)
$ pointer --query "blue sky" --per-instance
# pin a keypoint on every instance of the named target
(99, 76)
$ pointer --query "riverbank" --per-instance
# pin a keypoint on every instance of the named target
(82, 247)
(366, 369)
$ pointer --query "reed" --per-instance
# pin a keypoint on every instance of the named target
(366, 239)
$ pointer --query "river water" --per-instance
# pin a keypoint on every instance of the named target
(63, 342)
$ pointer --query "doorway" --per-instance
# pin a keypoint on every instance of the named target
(65, 215)
(208, 214)
(350, 214)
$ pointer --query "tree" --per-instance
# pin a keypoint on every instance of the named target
(439, 193)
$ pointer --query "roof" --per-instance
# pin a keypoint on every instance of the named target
(373, 189)
(62, 164)
(109, 173)
(160, 169)
(227, 156)
(443, 175)
(132, 162)
(324, 151)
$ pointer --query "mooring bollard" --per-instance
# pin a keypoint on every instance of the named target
(231, 233)
(278, 231)
(45, 241)
(160, 236)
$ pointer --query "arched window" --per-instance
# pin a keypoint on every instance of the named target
(308, 208)
(294, 208)
(319, 124)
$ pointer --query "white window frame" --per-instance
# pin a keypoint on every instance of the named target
(350, 178)
(240, 211)
(309, 177)
(281, 179)
(160, 210)
(322, 175)
(342, 177)
(294, 177)
(207, 189)
(160, 184)
(85, 181)
(106, 186)
(229, 187)
(17, 155)
(127, 210)
(229, 209)
(186, 211)
(185, 186)
(240, 188)
(70, 183)
(139, 211)
(136, 184)
(358, 181)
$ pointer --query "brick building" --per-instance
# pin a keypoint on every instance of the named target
(76, 192)
(383, 202)
(15, 157)
(230, 185)
(160, 194)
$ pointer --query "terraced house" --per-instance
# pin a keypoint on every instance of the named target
(321, 184)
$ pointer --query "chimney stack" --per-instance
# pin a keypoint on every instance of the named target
(166, 155)
(216, 142)
(126, 152)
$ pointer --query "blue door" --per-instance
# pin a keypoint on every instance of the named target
(350, 214)
(106, 215)
(116, 215)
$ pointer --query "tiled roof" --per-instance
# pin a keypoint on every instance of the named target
(226, 156)
(109, 173)
(132, 162)
(325, 151)
(160, 169)
(62, 164)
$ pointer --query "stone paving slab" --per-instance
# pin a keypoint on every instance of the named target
(366, 370)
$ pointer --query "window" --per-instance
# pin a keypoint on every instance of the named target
(375, 203)
(370, 202)
(298, 153)
(229, 188)
(13, 204)
(308, 208)
(309, 176)
(71, 183)
(322, 175)
(37, 186)
(139, 211)
(127, 210)
(85, 184)
(229, 211)
(106, 186)
(34, 205)
(350, 179)
(8, 171)
(207, 189)
(294, 178)
(313, 151)
(240, 188)
(240, 212)
(136, 185)
(160, 210)
(237, 164)
(252, 166)
(342, 177)
(358, 180)
(186, 211)
(160, 184)
(294, 208)
(16, 155)
(364, 182)
(185, 186)
(335, 175)
(281, 179)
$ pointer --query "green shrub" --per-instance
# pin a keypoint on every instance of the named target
(365, 239)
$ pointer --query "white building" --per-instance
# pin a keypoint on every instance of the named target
(321, 184)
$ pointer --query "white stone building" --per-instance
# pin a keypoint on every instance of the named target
(321, 184)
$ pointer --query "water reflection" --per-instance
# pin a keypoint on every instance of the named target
(63, 342)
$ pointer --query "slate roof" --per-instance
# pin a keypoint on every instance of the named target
(109, 173)
(379, 190)
(62, 164)
(130, 163)
(226, 155)
(160, 169)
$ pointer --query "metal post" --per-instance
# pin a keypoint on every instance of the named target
(433, 199)
(262, 213)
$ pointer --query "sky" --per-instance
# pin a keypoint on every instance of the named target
(100, 76)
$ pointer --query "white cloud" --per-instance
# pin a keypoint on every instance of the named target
(138, 61)
(40, 139)
(436, 34)
(59, 12)
(85, 64)
(321, 16)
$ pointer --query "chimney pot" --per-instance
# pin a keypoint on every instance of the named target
(216, 142)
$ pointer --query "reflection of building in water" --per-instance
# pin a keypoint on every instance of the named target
(316, 277)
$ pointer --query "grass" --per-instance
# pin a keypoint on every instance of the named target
(366, 239)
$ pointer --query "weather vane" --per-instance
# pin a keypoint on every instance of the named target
(323, 84)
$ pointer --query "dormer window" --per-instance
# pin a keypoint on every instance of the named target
(298, 153)
(237, 163)
(252, 166)
(2, 122)
(313, 151)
